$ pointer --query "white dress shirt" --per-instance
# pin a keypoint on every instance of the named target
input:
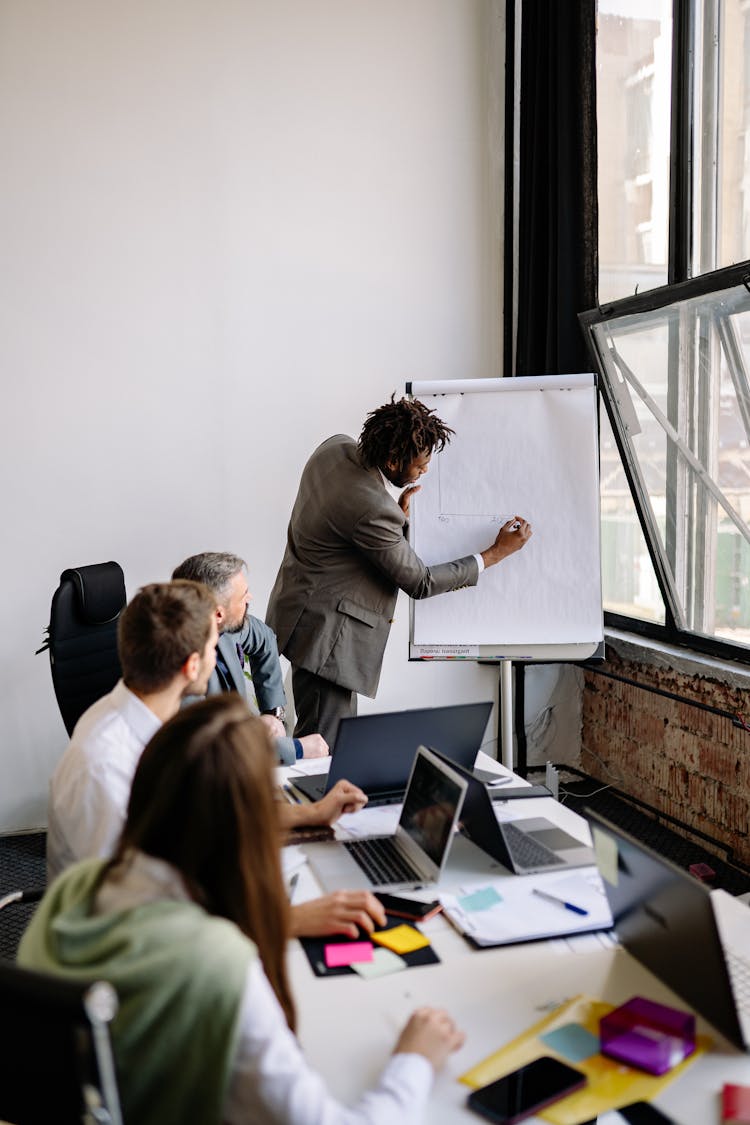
(90, 788)
(271, 1084)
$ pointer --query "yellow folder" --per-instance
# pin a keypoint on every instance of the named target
(611, 1084)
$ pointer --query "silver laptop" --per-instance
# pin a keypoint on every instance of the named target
(694, 940)
(415, 854)
(524, 846)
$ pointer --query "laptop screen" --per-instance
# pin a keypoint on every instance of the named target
(429, 811)
(665, 919)
(375, 751)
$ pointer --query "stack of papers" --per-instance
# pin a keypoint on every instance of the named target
(505, 911)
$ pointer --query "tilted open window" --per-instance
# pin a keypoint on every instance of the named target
(675, 460)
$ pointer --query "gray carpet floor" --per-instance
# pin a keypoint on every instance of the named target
(22, 867)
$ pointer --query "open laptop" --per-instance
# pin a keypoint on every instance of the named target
(416, 853)
(692, 939)
(375, 752)
(525, 846)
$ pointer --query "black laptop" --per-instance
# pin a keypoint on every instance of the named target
(376, 752)
(526, 846)
(694, 940)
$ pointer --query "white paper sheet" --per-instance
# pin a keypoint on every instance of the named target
(522, 915)
(379, 821)
(531, 453)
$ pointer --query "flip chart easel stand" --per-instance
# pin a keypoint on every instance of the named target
(527, 444)
(506, 713)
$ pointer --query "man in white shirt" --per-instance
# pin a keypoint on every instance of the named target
(167, 639)
(167, 647)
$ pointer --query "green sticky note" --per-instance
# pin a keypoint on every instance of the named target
(383, 962)
(573, 1041)
(483, 899)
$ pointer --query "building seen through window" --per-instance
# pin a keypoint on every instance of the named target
(679, 363)
(677, 383)
(633, 75)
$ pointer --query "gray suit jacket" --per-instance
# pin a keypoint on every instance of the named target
(257, 642)
(346, 558)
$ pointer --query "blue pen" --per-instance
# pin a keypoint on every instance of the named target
(560, 901)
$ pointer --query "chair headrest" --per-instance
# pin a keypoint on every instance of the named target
(100, 590)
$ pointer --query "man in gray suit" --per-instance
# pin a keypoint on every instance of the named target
(243, 636)
(347, 556)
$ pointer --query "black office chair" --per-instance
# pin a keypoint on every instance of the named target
(82, 636)
(56, 1060)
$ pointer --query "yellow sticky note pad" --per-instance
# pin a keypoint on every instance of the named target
(401, 939)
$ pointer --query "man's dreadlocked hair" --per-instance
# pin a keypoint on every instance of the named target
(400, 431)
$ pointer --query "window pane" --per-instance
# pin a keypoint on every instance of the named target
(732, 582)
(629, 585)
(634, 53)
(678, 381)
(733, 168)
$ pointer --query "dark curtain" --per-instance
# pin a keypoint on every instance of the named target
(557, 268)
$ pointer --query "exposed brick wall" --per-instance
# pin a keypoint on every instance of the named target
(684, 761)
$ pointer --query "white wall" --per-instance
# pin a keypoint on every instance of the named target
(553, 714)
(229, 228)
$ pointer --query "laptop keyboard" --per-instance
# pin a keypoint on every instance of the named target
(528, 852)
(739, 972)
(381, 861)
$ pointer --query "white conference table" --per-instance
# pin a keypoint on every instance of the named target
(348, 1026)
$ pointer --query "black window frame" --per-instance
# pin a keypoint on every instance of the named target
(682, 233)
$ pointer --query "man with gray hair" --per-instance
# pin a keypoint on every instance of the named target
(241, 637)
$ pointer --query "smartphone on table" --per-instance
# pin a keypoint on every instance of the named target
(520, 1094)
(637, 1113)
(409, 908)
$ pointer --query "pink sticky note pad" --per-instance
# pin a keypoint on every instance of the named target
(345, 953)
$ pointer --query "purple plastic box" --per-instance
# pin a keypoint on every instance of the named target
(650, 1036)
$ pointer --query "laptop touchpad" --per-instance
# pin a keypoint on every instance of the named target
(555, 839)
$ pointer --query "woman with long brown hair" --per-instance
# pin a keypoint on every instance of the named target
(189, 921)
